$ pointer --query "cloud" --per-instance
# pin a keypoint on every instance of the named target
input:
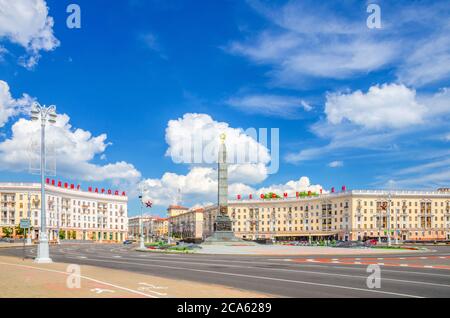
(304, 40)
(199, 184)
(379, 120)
(10, 107)
(303, 35)
(74, 152)
(385, 106)
(270, 105)
(195, 139)
(27, 23)
(429, 173)
(151, 42)
(336, 164)
(199, 188)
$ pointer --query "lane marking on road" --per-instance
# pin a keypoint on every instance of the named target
(83, 277)
(270, 278)
(149, 288)
(101, 291)
(297, 271)
(183, 258)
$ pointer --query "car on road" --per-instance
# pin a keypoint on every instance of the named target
(128, 242)
(372, 242)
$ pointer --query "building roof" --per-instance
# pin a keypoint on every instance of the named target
(177, 207)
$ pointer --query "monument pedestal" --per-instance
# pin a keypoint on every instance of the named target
(223, 234)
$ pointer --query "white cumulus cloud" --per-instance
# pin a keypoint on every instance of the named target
(195, 139)
(9, 106)
(74, 152)
(28, 24)
(388, 105)
(336, 164)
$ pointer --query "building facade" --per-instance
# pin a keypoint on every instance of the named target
(134, 226)
(161, 227)
(71, 213)
(349, 215)
(185, 225)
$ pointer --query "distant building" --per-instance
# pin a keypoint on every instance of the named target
(186, 225)
(76, 214)
(134, 226)
(160, 227)
(347, 215)
(175, 210)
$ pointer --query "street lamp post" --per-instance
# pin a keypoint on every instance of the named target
(29, 218)
(45, 114)
(58, 216)
(388, 221)
(141, 225)
(397, 230)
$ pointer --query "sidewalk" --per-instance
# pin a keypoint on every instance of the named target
(25, 279)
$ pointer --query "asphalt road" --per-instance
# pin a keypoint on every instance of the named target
(402, 275)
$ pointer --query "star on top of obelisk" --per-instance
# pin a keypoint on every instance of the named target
(223, 137)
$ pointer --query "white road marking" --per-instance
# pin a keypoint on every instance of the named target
(101, 291)
(81, 276)
(149, 288)
(275, 279)
(299, 271)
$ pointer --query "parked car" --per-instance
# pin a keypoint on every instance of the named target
(372, 242)
(127, 242)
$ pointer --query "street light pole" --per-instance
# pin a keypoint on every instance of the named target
(29, 218)
(45, 114)
(58, 216)
(388, 223)
(141, 226)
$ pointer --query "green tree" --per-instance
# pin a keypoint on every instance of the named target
(7, 231)
(62, 235)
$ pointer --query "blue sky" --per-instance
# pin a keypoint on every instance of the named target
(367, 108)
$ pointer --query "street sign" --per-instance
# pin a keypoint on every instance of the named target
(25, 223)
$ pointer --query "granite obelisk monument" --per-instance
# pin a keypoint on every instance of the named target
(223, 230)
